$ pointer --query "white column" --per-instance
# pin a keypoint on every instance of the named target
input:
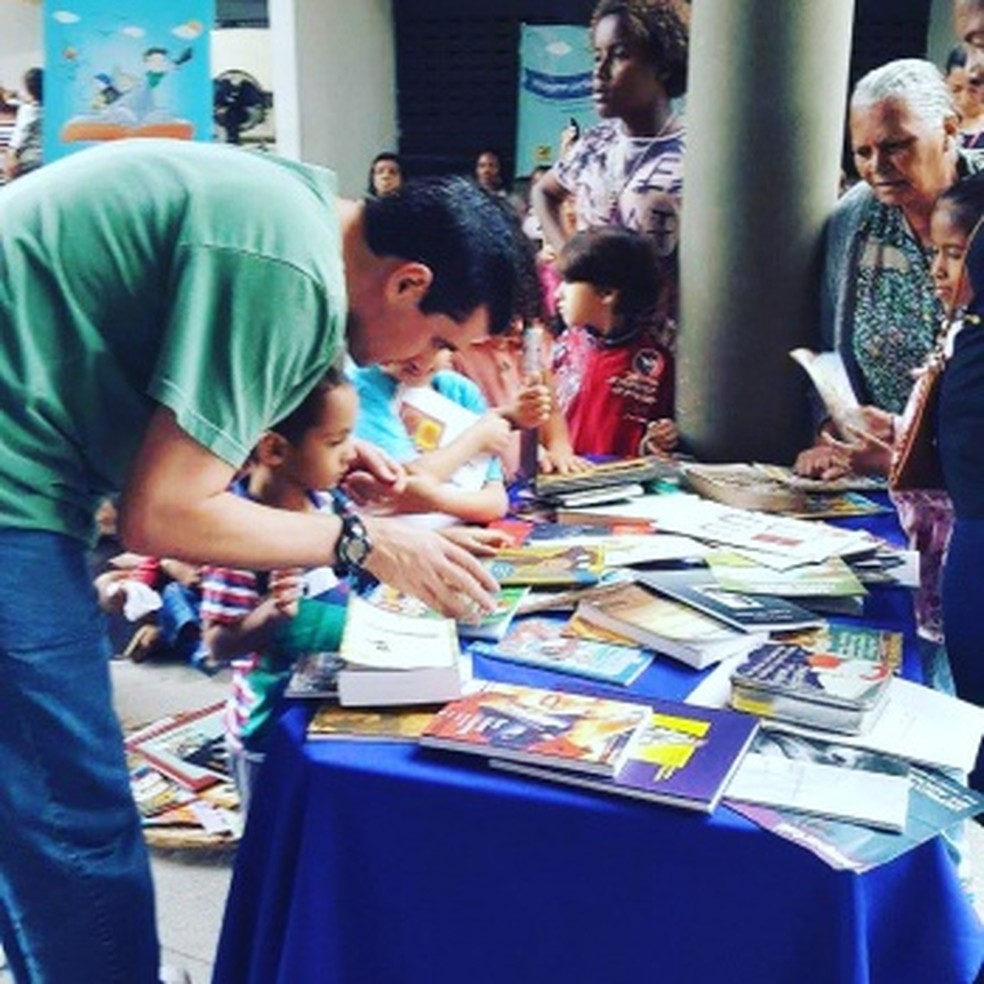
(334, 70)
(765, 117)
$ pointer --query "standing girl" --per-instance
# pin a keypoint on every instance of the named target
(961, 445)
(628, 170)
(614, 379)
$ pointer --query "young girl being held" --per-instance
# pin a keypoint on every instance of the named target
(614, 379)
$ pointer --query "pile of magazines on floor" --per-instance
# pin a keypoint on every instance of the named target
(180, 779)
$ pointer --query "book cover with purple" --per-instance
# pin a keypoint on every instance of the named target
(685, 756)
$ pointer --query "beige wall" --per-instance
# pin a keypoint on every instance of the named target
(20, 40)
(334, 68)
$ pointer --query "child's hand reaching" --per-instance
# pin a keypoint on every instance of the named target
(286, 587)
(661, 436)
(532, 404)
(493, 432)
(561, 459)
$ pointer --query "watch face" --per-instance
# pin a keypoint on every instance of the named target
(354, 545)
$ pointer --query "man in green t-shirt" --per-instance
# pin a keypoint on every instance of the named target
(161, 303)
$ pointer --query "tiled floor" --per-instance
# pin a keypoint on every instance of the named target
(191, 886)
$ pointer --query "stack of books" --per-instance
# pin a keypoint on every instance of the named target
(662, 752)
(639, 615)
(842, 691)
(179, 776)
(393, 658)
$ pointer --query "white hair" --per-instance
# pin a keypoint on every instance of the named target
(917, 83)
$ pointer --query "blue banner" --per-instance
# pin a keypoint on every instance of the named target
(554, 88)
(125, 68)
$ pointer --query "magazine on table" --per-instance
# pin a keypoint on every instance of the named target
(746, 612)
(936, 804)
(542, 642)
(832, 577)
(824, 778)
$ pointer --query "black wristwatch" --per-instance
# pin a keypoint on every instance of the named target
(354, 543)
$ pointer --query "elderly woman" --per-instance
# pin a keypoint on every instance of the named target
(879, 308)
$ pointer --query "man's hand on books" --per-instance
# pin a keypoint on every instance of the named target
(823, 461)
(862, 450)
(661, 436)
(429, 567)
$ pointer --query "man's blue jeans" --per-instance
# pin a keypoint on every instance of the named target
(74, 874)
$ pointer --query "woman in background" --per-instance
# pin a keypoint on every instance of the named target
(385, 175)
(967, 93)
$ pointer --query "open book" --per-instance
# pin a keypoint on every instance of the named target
(433, 421)
(828, 374)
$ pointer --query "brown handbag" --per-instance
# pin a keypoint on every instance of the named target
(916, 460)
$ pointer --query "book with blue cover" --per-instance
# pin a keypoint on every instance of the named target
(685, 756)
(555, 565)
(539, 641)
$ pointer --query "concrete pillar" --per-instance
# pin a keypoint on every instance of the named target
(334, 71)
(765, 120)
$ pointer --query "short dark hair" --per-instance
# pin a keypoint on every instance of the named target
(615, 258)
(965, 201)
(33, 82)
(662, 27)
(302, 418)
(385, 155)
(957, 58)
(471, 241)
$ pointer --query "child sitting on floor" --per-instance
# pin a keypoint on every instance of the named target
(614, 380)
(434, 485)
(264, 620)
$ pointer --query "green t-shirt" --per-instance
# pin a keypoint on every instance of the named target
(202, 277)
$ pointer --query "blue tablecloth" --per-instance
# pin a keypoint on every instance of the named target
(374, 863)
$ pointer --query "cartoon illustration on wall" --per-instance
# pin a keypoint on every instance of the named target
(129, 70)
